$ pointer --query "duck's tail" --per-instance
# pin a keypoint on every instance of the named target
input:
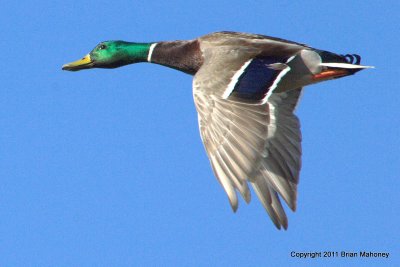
(337, 66)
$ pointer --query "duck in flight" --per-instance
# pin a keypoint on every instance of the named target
(245, 88)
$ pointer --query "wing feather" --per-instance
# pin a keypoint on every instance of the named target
(240, 184)
(224, 180)
(248, 141)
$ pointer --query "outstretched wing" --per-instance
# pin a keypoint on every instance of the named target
(250, 133)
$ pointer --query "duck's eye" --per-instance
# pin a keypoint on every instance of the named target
(102, 47)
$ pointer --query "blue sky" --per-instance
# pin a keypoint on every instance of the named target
(106, 167)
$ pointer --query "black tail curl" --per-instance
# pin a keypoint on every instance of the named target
(352, 59)
(329, 57)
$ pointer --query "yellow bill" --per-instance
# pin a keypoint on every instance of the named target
(84, 63)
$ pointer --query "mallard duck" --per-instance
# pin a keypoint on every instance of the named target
(245, 88)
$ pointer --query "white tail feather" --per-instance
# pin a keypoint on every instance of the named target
(345, 66)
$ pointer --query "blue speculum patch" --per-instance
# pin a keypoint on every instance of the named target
(257, 78)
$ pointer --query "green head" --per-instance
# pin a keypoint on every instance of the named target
(111, 54)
